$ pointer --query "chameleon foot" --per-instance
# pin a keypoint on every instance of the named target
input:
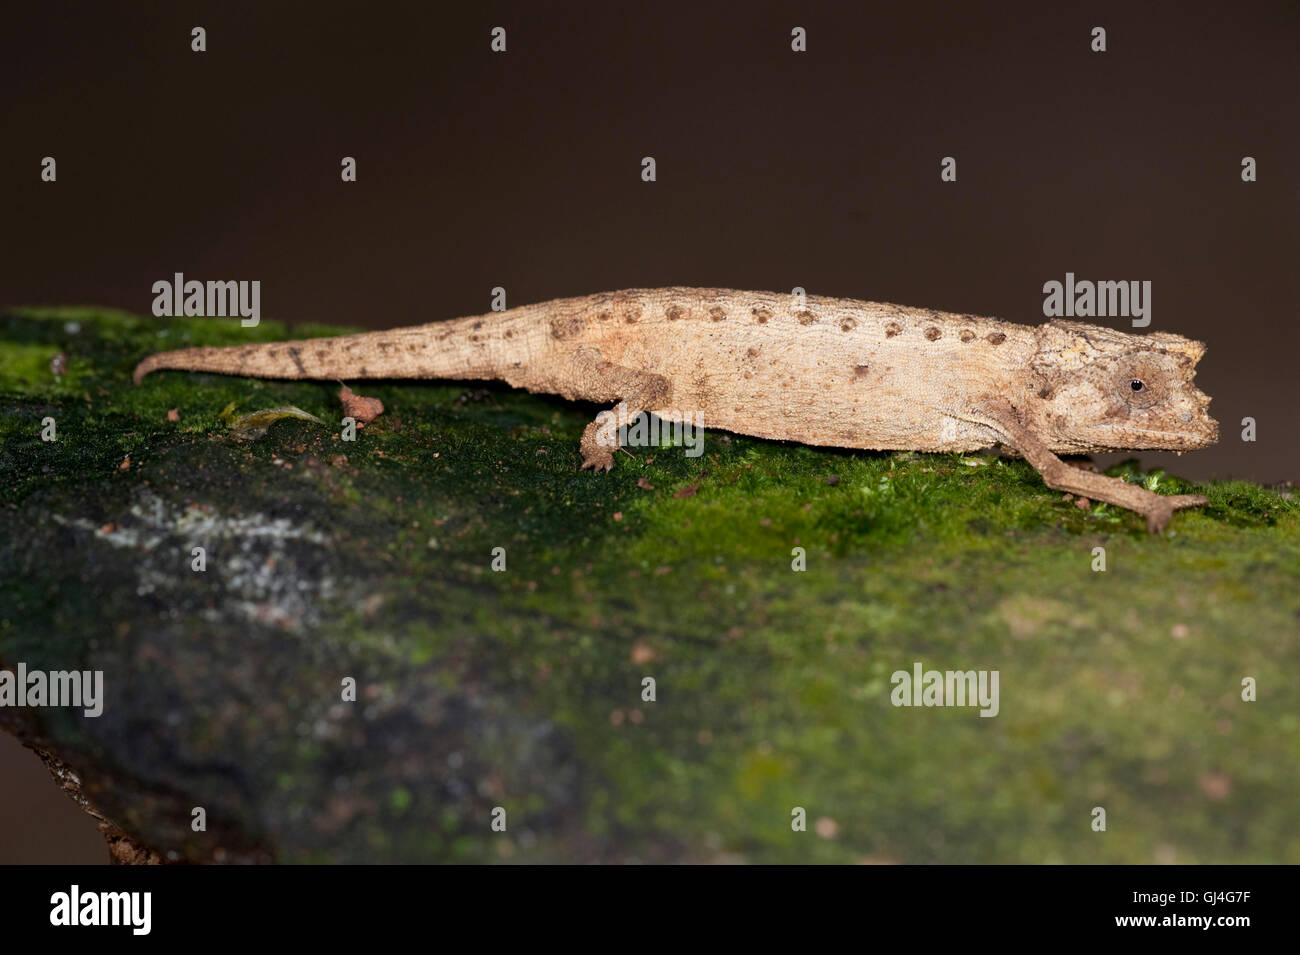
(595, 455)
(1162, 508)
(1156, 508)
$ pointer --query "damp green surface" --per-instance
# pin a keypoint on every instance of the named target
(517, 694)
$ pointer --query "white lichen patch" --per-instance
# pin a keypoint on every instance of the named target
(261, 569)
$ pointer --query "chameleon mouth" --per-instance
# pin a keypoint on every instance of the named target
(1194, 436)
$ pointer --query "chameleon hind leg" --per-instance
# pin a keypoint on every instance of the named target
(599, 380)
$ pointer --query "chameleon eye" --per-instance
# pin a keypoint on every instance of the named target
(1139, 382)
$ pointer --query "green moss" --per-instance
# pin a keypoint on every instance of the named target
(523, 688)
(27, 368)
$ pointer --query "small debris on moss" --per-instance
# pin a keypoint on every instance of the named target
(255, 424)
(363, 409)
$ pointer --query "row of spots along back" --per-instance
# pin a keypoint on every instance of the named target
(934, 333)
(627, 310)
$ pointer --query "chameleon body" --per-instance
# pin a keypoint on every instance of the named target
(821, 371)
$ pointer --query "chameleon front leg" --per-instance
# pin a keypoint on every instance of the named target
(1156, 508)
(600, 380)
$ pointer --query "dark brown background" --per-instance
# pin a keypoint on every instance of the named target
(775, 170)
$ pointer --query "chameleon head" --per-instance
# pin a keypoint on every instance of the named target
(1098, 389)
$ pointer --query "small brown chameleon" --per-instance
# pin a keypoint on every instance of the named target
(822, 371)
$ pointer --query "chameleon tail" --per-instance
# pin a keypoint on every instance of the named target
(425, 351)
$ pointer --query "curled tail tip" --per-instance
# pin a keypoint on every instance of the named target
(142, 369)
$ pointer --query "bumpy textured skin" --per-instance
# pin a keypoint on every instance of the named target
(825, 371)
